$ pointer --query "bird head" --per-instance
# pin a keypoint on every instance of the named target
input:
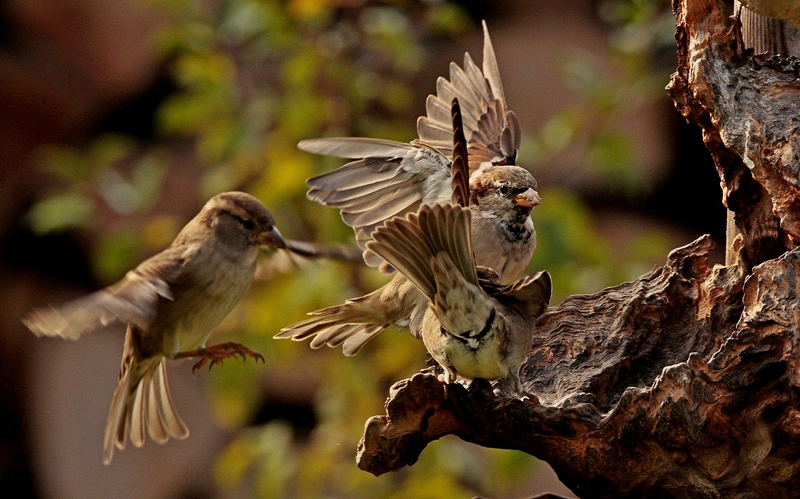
(239, 218)
(508, 192)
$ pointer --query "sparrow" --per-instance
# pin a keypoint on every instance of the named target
(394, 178)
(171, 303)
(474, 326)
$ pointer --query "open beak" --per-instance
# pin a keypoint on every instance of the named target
(528, 199)
(273, 239)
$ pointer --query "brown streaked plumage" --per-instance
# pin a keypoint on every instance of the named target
(471, 327)
(394, 178)
(501, 198)
(171, 302)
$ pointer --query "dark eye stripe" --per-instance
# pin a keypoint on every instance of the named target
(246, 222)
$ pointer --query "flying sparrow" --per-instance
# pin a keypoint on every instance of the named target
(395, 178)
(476, 328)
(171, 302)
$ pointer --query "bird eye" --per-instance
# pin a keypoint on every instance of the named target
(248, 224)
(504, 190)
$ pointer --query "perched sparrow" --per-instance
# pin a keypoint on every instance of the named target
(171, 303)
(471, 327)
(394, 178)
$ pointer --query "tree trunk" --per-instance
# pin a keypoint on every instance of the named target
(683, 382)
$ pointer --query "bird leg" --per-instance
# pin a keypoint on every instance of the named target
(215, 354)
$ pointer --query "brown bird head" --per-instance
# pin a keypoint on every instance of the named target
(240, 220)
(509, 192)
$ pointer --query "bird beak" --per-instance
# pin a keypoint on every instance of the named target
(528, 199)
(272, 239)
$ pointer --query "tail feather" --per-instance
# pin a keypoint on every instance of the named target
(141, 405)
(173, 424)
(137, 412)
(155, 420)
(116, 427)
(358, 338)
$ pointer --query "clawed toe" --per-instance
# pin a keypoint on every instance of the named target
(215, 354)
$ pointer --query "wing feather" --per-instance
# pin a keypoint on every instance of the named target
(133, 299)
(355, 147)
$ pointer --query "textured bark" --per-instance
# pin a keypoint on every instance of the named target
(749, 108)
(683, 383)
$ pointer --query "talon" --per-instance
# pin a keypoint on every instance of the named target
(198, 365)
(217, 353)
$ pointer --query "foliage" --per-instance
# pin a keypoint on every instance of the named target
(611, 89)
(253, 78)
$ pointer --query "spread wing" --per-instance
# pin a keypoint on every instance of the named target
(432, 248)
(411, 243)
(492, 130)
(388, 178)
(133, 299)
(299, 254)
(391, 179)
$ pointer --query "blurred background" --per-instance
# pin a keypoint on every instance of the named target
(118, 119)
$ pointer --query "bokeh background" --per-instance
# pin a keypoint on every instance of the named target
(119, 118)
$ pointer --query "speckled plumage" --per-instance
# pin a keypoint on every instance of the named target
(394, 179)
(467, 330)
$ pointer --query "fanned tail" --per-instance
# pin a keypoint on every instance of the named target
(346, 325)
(353, 323)
(141, 404)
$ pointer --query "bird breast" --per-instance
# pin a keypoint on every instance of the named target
(486, 361)
(201, 301)
(500, 248)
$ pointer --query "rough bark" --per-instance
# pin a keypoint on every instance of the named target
(684, 382)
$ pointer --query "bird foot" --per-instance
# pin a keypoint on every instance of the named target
(215, 354)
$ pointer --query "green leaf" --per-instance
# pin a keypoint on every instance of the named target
(61, 212)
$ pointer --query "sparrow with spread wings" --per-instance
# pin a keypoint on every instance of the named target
(473, 325)
(393, 179)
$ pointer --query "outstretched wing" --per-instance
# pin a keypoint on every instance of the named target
(391, 179)
(492, 130)
(300, 254)
(410, 244)
(131, 300)
(432, 248)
